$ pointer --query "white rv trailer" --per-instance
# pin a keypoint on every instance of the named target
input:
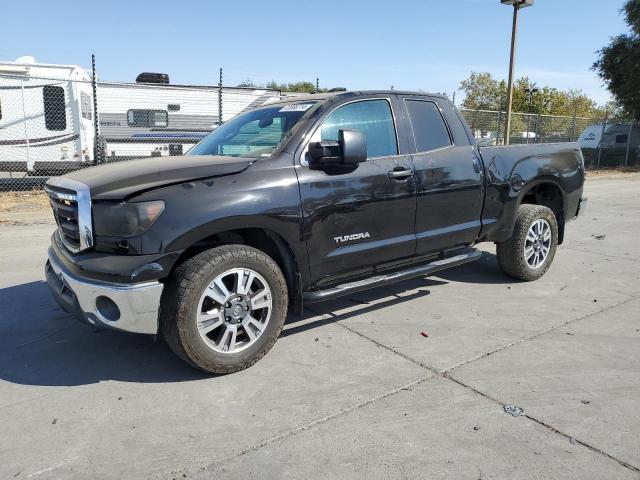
(140, 120)
(46, 114)
(47, 124)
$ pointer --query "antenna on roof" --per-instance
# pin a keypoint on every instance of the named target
(26, 59)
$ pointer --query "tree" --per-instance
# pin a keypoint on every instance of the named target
(618, 63)
(484, 92)
(301, 87)
(247, 82)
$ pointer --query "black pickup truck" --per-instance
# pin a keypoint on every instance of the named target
(299, 201)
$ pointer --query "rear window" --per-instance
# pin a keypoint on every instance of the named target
(55, 115)
(429, 130)
(147, 118)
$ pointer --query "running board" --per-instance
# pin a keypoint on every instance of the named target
(379, 280)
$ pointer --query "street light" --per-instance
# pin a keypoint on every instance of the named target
(531, 91)
(517, 5)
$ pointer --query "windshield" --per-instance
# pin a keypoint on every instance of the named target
(256, 133)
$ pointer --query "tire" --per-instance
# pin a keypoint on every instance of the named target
(193, 296)
(511, 254)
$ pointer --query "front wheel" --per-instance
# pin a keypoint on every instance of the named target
(223, 309)
(528, 254)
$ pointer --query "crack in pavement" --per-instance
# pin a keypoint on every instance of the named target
(541, 332)
(446, 373)
(546, 425)
(319, 421)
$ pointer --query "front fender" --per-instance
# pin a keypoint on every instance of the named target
(265, 196)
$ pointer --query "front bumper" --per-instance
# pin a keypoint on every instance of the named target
(128, 307)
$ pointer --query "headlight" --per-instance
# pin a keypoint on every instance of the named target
(125, 219)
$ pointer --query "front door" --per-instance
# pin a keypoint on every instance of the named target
(356, 220)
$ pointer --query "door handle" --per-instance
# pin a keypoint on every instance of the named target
(403, 174)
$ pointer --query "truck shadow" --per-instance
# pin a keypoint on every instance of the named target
(41, 345)
(484, 271)
(319, 314)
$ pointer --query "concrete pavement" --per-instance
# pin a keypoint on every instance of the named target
(352, 389)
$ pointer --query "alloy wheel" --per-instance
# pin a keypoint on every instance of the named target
(234, 310)
(537, 243)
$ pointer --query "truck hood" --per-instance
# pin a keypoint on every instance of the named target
(116, 181)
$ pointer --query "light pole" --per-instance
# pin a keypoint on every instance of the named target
(530, 93)
(517, 5)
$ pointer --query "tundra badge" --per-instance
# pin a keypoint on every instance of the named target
(353, 236)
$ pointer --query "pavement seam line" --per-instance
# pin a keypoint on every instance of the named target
(541, 332)
(381, 345)
(546, 425)
(320, 421)
(446, 374)
(442, 374)
(580, 442)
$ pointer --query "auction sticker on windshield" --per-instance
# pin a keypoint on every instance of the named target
(297, 107)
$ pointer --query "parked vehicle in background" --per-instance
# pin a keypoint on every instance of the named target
(619, 144)
(147, 119)
(615, 145)
(303, 200)
(47, 116)
(589, 141)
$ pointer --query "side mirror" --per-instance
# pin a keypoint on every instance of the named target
(354, 146)
(349, 150)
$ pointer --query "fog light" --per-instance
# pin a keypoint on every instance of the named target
(107, 308)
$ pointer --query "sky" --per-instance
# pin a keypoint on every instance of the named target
(428, 45)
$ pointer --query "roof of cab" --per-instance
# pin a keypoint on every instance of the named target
(355, 93)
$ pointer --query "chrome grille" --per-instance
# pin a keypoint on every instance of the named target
(71, 204)
(65, 212)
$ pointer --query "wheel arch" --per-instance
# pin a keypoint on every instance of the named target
(547, 192)
(265, 240)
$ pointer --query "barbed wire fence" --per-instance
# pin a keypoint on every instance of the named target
(58, 119)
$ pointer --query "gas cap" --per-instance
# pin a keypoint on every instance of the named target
(517, 182)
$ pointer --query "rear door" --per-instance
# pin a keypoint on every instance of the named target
(448, 176)
(354, 221)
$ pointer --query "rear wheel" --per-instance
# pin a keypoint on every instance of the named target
(223, 309)
(528, 254)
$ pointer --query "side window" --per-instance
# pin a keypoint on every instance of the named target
(622, 138)
(429, 129)
(147, 118)
(85, 106)
(55, 114)
(371, 117)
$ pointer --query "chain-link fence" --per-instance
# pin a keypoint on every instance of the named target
(605, 142)
(54, 120)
